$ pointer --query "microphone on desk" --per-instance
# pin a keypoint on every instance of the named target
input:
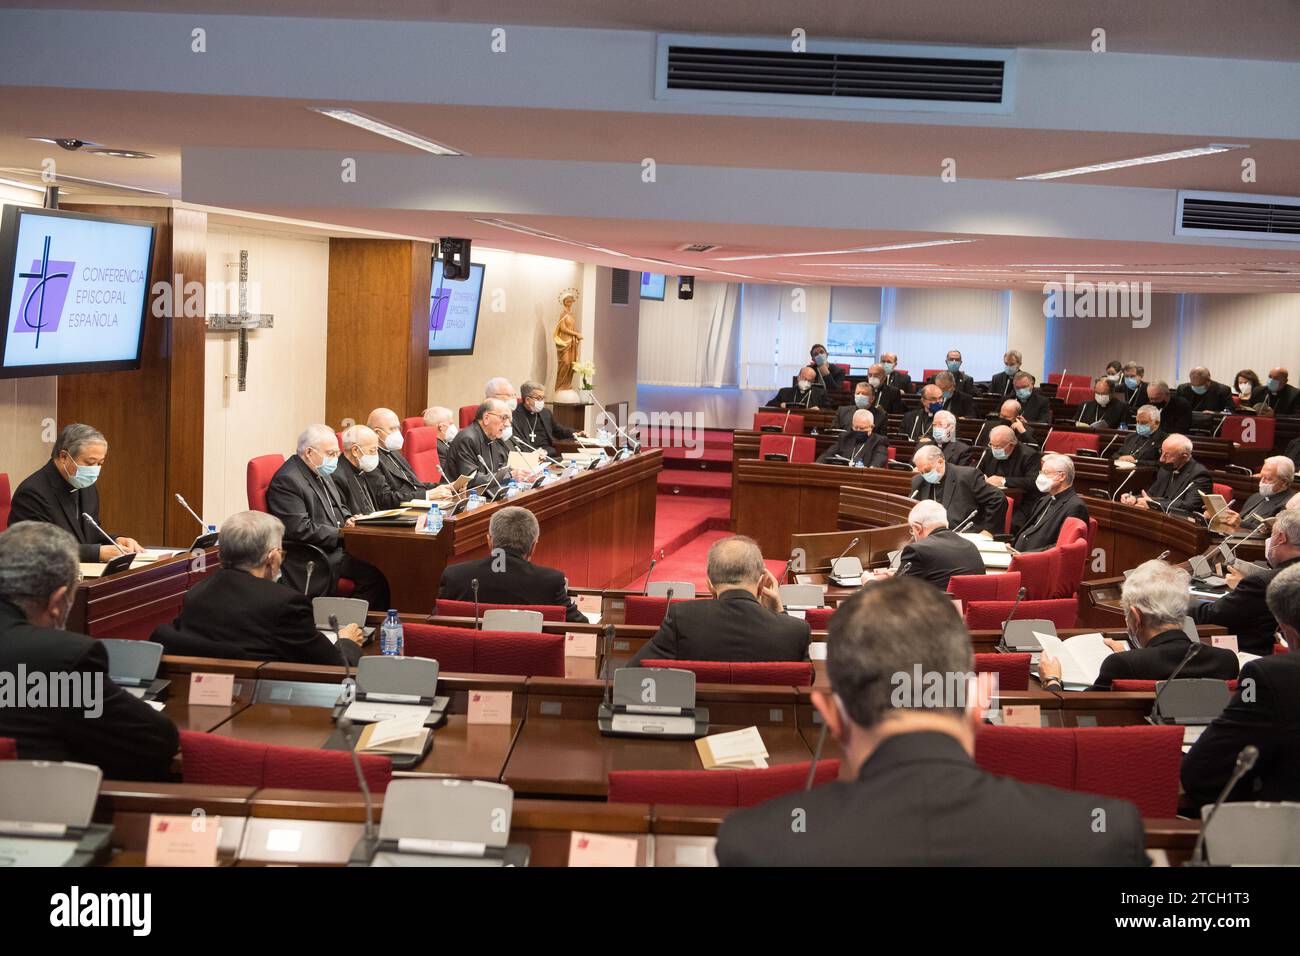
(1170, 507)
(965, 521)
(474, 587)
(609, 665)
(186, 505)
(553, 461)
(346, 728)
(311, 566)
(851, 545)
(1210, 520)
(1215, 433)
(1114, 495)
(1114, 439)
(349, 685)
(489, 472)
(668, 603)
(1154, 717)
(981, 433)
(107, 538)
(646, 587)
(1242, 468)
(619, 428)
(1245, 763)
(1020, 596)
(1233, 550)
(980, 460)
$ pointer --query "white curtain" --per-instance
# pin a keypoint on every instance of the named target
(778, 325)
(1084, 345)
(690, 342)
(1227, 333)
(921, 325)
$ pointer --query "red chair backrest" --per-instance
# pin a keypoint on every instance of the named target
(1038, 572)
(715, 788)
(260, 472)
(422, 452)
(1092, 533)
(1011, 514)
(8, 748)
(1149, 686)
(1072, 529)
(1224, 491)
(444, 608)
(768, 673)
(211, 759)
(522, 655)
(1068, 443)
(1031, 754)
(1254, 430)
(989, 615)
(6, 500)
(1012, 669)
(789, 424)
(1140, 764)
(818, 617)
(647, 609)
(451, 647)
(795, 448)
(416, 421)
(1069, 574)
(466, 415)
(985, 587)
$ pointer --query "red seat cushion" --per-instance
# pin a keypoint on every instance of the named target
(260, 472)
(407, 424)
(818, 618)
(1031, 754)
(8, 748)
(989, 615)
(445, 608)
(796, 448)
(211, 759)
(985, 587)
(768, 673)
(421, 451)
(522, 655)
(644, 609)
(790, 424)
(1140, 764)
(1012, 669)
(707, 788)
(1072, 529)
(451, 647)
(706, 672)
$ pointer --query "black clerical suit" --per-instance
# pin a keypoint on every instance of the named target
(1185, 483)
(1217, 397)
(961, 491)
(313, 512)
(1134, 398)
(1043, 524)
(517, 582)
(470, 444)
(1175, 415)
(1258, 507)
(734, 626)
(814, 397)
(963, 382)
(955, 452)
(128, 739)
(960, 404)
(401, 477)
(899, 380)
(1020, 471)
(1285, 401)
(1244, 612)
(445, 463)
(1144, 449)
(1003, 385)
(234, 614)
(828, 376)
(921, 800)
(890, 399)
(1265, 712)
(364, 492)
(45, 496)
(1098, 416)
(844, 417)
(917, 423)
(1036, 408)
(539, 429)
(938, 556)
(872, 450)
(1027, 437)
(1160, 657)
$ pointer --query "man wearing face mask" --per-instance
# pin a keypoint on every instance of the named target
(63, 490)
(1275, 491)
(1003, 383)
(958, 402)
(1009, 415)
(961, 381)
(805, 393)
(1179, 482)
(936, 553)
(441, 419)
(1244, 609)
(1143, 446)
(1204, 394)
(125, 737)
(864, 398)
(1115, 373)
(944, 434)
(860, 445)
(306, 500)
(1104, 409)
(959, 489)
(393, 466)
(481, 449)
(1057, 501)
(1175, 413)
(894, 378)
(919, 421)
(363, 486)
(1132, 388)
(1034, 405)
(534, 424)
(242, 613)
(888, 398)
(1009, 465)
(1281, 397)
(828, 376)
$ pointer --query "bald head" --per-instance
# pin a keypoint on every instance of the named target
(735, 562)
(1009, 410)
(931, 393)
(806, 374)
(387, 428)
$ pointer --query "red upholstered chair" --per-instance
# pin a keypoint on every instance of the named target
(989, 615)
(1030, 754)
(445, 608)
(8, 748)
(643, 609)
(415, 421)
(845, 385)
(1069, 443)
(1011, 514)
(1069, 572)
(795, 448)
(6, 500)
(930, 373)
(985, 587)
(1012, 669)
(421, 451)
(818, 618)
(1092, 533)
(466, 415)
(1078, 381)
(704, 788)
(789, 424)
(759, 786)
(1149, 686)
(260, 472)
(211, 759)
(1072, 529)
(892, 455)
(706, 672)
(1225, 491)
(1038, 572)
(522, 655)
(451, 647)
(1132, 763)
(1255, 431)
(339, 436)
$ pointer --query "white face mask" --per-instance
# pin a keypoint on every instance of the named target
(1268, 552)
(1102, 400)
(1244, 388)
(875, 382)
(512, 403)
(393, 441)
(1266, 488)
(369, 462)
(536, 406)
(1114, 378)
(1044, 482)
(804, 385)
(451, 433)
(506, 433)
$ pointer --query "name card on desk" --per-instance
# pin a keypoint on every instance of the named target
(588, 603)
(1022, 715)
(1225, 640)
(490, 706)
(579, 645)
(182, 840)
(599, 849)
(213, 690)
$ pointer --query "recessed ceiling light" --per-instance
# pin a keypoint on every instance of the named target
(120, 153)
(1140, 161)
(372, 125)
(842, 252)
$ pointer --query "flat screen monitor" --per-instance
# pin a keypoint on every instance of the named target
(652, 286)
(74, 290)
(453, 311)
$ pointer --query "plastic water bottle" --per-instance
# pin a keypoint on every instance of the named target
(391, 639)
(474, 501)
(212, 529)
(512, 489)
(433, 522)
(859, 463)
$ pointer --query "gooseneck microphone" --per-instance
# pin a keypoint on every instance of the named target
(851, 545)
(1108, 444)
(106, 535)
(1020, 596)
(349, 685)
(1245, 762)
(474, 586)
(346, 728)
(967, 520)
(646, 589)
(609, 664)
(311, 566)
(520, 441)
(496, 481)
(186, 505)
(668, 603)
(1192, 651)
(1114, 495)
(617, 427)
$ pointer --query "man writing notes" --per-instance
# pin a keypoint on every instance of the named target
(481, 450)
(308, 503)
(1179, 482)
(63, 493)
(910, 792)
(961, 490)
(803, 394)
(861, 445)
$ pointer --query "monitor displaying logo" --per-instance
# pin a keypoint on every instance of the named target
(43, 295)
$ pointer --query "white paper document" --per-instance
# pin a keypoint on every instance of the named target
(737, 750)
(1080, 657)
(370, 711)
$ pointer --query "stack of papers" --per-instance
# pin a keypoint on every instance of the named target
(737, 750)
(1080, 657)
(374, 711)
(995, 554)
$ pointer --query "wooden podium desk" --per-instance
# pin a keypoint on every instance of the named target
(131, 604)
(597, 527)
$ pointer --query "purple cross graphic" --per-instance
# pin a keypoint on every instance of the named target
(43, 296)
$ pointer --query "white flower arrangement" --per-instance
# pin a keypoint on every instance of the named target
(587, 372)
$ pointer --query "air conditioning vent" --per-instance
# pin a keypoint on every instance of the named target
(618, 286)
(872, 76)
(1235, 214)
(697, 247)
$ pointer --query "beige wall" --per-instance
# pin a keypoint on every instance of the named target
(613, 340)
(1027, 331)
(286, 364)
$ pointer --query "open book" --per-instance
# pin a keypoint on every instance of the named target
(396, 735)
(737, 750)
(1080, 657)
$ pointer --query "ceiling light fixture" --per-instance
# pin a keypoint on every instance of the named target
(372, 125)
(844, 252)
(120, 153)
(1209, 150)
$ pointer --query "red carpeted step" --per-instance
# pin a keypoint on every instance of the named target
(680, 518)
(698, 484)
(709, 459)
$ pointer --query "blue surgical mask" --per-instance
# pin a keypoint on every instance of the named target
(86, 476)
(1273, 385)
(932, 476)
(888, 367)
(1200, 389)
(999, 453)
(862, 401)
(1023, 393)
(942, 435)
(954, 364)
(935, 407)
(947, 394)
(1143, 428)
(1011, 369)
(819, 359)
(1130, 382)
(327, 466)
